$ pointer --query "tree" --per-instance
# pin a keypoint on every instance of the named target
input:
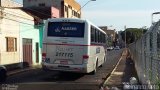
(132, 34)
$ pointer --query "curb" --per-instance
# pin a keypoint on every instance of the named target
(109, 75)
(10, 73)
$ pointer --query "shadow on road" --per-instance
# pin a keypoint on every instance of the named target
(129, 70)
(63, 76)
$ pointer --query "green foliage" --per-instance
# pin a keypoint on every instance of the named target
(132, 34)
(109, 43)
(158, 83)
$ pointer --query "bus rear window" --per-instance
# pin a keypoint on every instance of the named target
(65, 29)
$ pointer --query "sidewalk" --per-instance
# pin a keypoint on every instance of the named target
(122, 72)
(12, 72)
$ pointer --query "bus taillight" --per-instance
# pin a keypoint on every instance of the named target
(43, 56)
(85, 56)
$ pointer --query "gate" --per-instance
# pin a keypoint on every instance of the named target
(27, 51)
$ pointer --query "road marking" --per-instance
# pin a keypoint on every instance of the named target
(118, 73)
(123, 54)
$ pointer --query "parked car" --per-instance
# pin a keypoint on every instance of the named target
(110, 48)
(116, 48)
(3, 73)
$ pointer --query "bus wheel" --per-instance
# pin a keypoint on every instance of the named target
(95, 69)
(104, 60)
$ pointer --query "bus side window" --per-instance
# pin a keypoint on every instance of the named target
(101, 37)
(92, 34)
(96, 35)
(105, 38)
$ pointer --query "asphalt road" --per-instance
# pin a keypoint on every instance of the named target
(38, 79)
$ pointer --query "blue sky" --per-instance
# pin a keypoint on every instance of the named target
(118, 13)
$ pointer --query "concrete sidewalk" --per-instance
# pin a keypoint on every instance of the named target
(12, 72)
(122, 73)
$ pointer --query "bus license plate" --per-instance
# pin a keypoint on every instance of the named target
(63, 62)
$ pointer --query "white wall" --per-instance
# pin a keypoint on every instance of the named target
(12, 26)
(9, 28)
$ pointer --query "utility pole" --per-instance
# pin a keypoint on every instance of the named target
(125, 35)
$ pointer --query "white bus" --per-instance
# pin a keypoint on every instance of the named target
(73, 45)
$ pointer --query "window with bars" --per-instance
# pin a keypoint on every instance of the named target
(69, 6)
(41, 4)
(11, 44)
(78, 15)
(66, 8)
(72, 12)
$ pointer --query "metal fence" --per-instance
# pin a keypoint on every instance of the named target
(146, 54)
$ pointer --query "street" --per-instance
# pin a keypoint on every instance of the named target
(54, 78)
(79, 45)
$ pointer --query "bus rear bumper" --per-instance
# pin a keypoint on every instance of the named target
(69, 68)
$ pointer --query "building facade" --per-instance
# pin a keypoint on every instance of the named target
(9, 36)
(110, 33)
(67, 8)
(9, 3)
(30, 51)
(19, 37)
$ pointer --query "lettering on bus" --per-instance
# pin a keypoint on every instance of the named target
(63, 49)
(66, 29)
(62, 54)
(69, 28)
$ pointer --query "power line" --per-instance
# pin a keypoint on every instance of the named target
(16, 21)
(19, 16)
(30, 13)
(20, 25)
(14, 14)
(38, 11)
(20, 22)
(29, 8)
(32, 10)
(21, 31)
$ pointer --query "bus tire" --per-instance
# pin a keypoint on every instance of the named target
(95, 69)
(104, 60)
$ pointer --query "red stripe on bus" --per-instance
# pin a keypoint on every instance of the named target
(73, 44)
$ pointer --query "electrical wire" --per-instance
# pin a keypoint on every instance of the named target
(15, 15)
(19, 22)
(32, 26)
